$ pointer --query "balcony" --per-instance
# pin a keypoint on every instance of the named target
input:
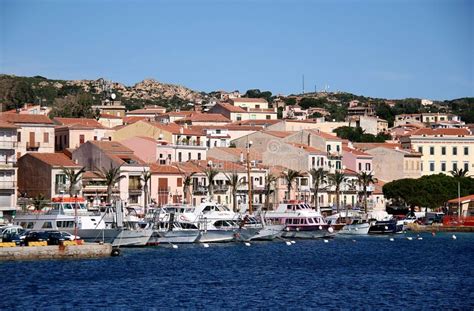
(200, 190)
(334, 155)
(7, 184)
(220, 188)
(8, 144)
(32, 146)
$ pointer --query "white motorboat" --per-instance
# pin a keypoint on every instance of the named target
(350, 223)
(300, 220)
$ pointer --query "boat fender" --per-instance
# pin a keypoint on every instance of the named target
(183, 218)
(320, 227)
(115, 252)
(331, 230)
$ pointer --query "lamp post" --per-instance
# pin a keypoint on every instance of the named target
(249, 143)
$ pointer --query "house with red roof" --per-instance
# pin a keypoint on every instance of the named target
(246, 112)
(73, 132)
(356, 160)
(203, 119)
(35, 132)
(109, 120)
(49, 178)
(104, 155)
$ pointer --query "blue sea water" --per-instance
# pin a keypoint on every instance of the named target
(370, 273)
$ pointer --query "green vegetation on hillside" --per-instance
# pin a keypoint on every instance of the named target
(356, 134)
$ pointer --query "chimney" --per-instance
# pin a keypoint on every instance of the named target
(181, 130)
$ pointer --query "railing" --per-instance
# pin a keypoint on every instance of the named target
(32, 146)
(7, 184)
(200, 190)
(220, 189)
(8, 144)
(8, 163)
(334, 155)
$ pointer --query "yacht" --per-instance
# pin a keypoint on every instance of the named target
(300, 220)
(349, 224)
(91, 226)
(386, 226)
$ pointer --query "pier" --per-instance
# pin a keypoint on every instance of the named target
(438, 228)
(84, 251)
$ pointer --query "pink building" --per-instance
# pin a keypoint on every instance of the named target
(356, 160)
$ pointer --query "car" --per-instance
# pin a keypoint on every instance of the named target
(51, 237)
(69, 236)
(11, 234)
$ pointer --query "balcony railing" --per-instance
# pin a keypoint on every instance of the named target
(7, 184)
(334, 155)
(220, 188)
(32, 146)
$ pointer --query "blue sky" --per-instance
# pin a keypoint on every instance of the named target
(392, 49)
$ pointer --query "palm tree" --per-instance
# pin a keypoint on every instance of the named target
(211, 174)
(290, 176)
(365, 179)
(39, 202)
(270, 181)
(337, 179)
(73, 177)
(459, 173)
(319, 178)
(187, 181)
(111, 176)
(234, 182)
(146, 176)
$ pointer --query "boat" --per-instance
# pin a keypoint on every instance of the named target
(300, 220)
(71, 215)
(356, 227)
(349, 223)
(387, 226)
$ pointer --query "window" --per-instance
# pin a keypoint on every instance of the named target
(455, 166)
(338, 148)
(81, 139)
(367, 166)
(455, 150)
(268, 117)
(95, 137)
(313, 161)
(179, 157)
(360, 166)
(253, 117)
(431, 150)
(466, 166)
(304, 182)
(189, 156)
(432, 166)
(179, 182)
(420, 149)
(466, 150)
(239, 117)
(18, 137)
(443, 166)
(338, 165)
(328, 148)
(443, 150)
(199, 156)
(46, 137)
(47, 225)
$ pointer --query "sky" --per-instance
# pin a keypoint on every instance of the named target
(377, 48)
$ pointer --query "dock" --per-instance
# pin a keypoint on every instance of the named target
(439, 228)
(84, 251)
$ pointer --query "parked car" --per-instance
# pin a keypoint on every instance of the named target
(11, 234)
(52, 237)
(69, 236)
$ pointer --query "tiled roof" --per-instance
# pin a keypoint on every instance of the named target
(230, 127)
(231, 108)
(179, 113)
(356, 152)
(133, 119)
(78, 122)
(205, 117)
(54, 159)
(7, 125)
(248, 100)
(165, 169)
(256, 122)
(441, 131)
(368, 146)
(254, 155)
(176, 129)
(325, 135)
(111, 146)
(109, 116)
(25, 118)
(279, 134)
(462, 199)
(308, 148)
(154, 110)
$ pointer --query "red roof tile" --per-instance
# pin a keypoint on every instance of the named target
(279, 134)
(54, 159)
(441, 131)
(355, 152)
(25, 118)
(109, 116)
(467, 198)
(231, 108)
(81, 122)
(248, 100)
(205, 117)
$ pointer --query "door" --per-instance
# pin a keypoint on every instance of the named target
(32, 139)
(162, 191)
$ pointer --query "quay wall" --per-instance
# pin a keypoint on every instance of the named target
(436, 228)
(55, 252)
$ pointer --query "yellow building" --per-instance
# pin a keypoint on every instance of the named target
(443, 149)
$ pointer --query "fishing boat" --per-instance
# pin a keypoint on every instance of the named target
(300, 220)
(387, 226)
(349, 223)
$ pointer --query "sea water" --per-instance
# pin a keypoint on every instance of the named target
(368, 272)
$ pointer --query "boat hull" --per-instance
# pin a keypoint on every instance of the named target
(213, 236)
(268, 233)
(385, 227)
(308, 232)
(174, 237)
(355, 229)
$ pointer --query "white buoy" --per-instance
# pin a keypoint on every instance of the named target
(287, 229)
(175, 246)
(247, 244)
(326, 241)
(288, 243)
(330, 229)
(320, 227)
(392, 239)
(205, 245)
(420, 238)
(409, 238)
(354, 241)
(292, 242)
(454, 237)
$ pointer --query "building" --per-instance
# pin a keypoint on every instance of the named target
(356, 160)
(425, 118)
(103, 155)
(239, 113)
(251, 103)
(391, 162)
(49, 178)
(295, 112)
(111, 107)
(443, 150)
(35, 133)
(8, 168)
(361, 111)
(73, 132)
(465, 204)
(298, 125)
(110, 121)
(203, 119)
(149, 112)
(370, 125)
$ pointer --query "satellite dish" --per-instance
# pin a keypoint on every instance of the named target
(113, 96)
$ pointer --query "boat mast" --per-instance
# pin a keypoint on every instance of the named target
(249, 183)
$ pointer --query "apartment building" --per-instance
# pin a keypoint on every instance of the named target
(73, 132)
(8, 169)
(239, 113)
(356, 160)
(443, 149)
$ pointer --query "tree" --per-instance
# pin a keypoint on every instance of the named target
(337, 179)
(234, 182)
(187, 181)
(270, 181)
(211, 174)
(73, 177)
(146, 176)
(111, 176)
(459, 173)
(319, 177)
(290, 176)
(39, 202)
(365, 180)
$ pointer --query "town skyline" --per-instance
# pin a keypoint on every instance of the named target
(360, 48)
